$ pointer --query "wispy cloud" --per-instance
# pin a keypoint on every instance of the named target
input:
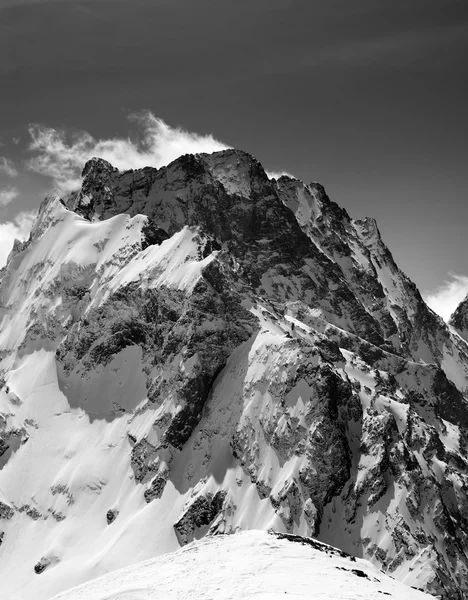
(278, 174)
(18, 228)
(7, 167)
(62, 157)
(7, 195)
(445, 299)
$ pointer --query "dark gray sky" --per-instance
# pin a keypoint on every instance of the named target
(368, 97)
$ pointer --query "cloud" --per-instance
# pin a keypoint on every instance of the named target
(7, 167)
(62, 157)
(18, 228)
(445, 299)
(7, 195)
(278, 174)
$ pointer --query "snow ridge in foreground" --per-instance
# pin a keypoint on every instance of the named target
(247, 565)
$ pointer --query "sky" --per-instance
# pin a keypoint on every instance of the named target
(368, 98)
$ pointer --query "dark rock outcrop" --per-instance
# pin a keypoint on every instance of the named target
(200, 512)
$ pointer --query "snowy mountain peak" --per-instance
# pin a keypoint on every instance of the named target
(97, 167)
(50, 209)
(199, 350)
(459, 319)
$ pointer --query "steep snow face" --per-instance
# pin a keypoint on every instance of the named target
(408, 326)
(369, 269)
(247, 565)
(197, 350)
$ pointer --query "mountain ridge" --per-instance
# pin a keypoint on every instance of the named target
(199, 349)
(251, 563)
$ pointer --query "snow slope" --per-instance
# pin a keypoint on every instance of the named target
(245, 566)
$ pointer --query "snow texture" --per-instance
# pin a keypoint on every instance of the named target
(245, 566)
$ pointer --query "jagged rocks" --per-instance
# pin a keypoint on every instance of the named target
(452, 405)
(31, 511)
(6, 512)
(307, 541)
(289, 503)
(142, 460)
(97, 173)
(459, 319)
(3, 446)
(11, 440)
(199, 331)
(111, 515)
(40, 566)
(152, 234)
(64, 491)
(147, 466)
(234, 220)
(44, 563)
(156, 487)
(200, 512)
(322, 452)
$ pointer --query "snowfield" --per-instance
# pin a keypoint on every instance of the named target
(252, 565)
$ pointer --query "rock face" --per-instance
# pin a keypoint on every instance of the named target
(206, 350)
(459, 319)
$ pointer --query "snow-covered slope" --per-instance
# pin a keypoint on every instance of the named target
(248, 565)
(200, 350)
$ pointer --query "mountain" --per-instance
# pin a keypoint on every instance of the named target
(199, 349)
(459, 319)
(250, 564)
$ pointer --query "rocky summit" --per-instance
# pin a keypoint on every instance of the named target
(199, 350)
